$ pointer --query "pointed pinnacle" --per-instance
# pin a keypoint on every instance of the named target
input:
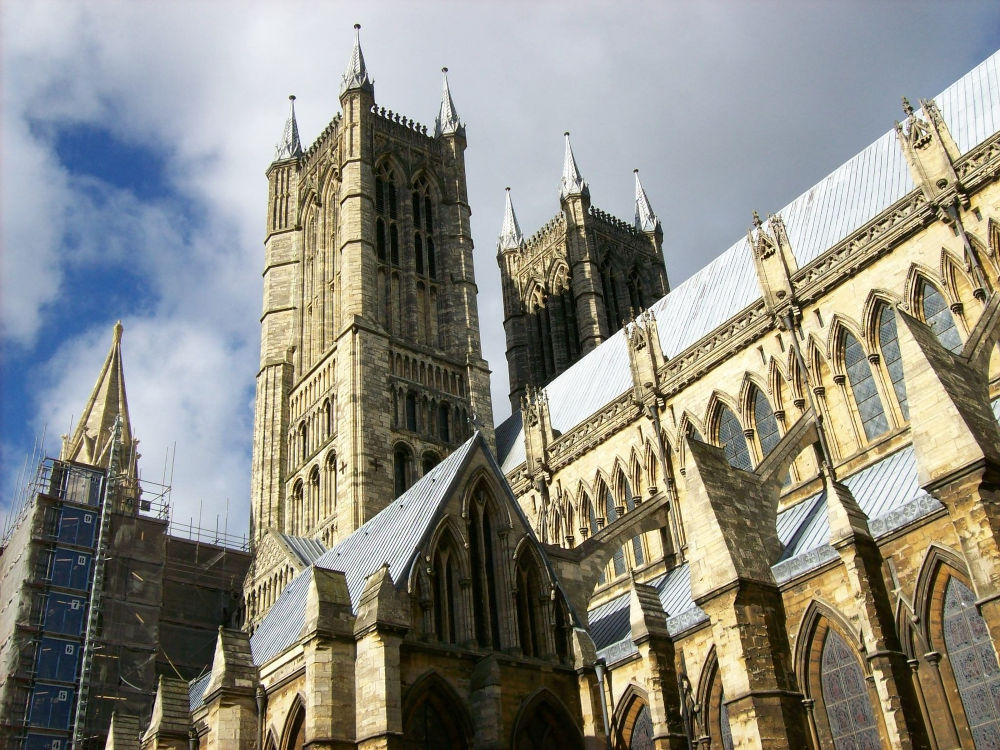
(356, 76)
(447, 121)
(645, 219)
(572, 181)
(756, 220)
(290, 146)
(510, 233)
(907, 107)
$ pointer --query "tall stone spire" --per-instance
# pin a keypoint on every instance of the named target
(290, 147)
(572, 181)
(356, 76)
(91, 442)
(645, 219)
(447, 121)
(510, 233)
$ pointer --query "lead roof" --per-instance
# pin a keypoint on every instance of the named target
(845, 200)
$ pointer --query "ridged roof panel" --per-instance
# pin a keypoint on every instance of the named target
(841, 203)
(306, 549)
(390, 536)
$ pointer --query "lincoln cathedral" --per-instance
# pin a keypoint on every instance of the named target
(756, 509)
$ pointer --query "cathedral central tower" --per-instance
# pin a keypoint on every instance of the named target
(371, 368)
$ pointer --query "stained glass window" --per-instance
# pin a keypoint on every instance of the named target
(888, 342)
(733, 441)
(845, 695)
(859, 373)
(764, 421)
(938, 317)
(974, 663)
(724, 729)
(630, 505)
(642, 731)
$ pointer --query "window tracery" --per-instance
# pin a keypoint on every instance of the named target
(888, 342)
(845, 697)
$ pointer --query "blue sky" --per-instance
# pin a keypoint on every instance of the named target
(135, 138)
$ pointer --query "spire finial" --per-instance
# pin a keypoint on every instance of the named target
(572, 181)
(93, 439)
(289, 147)
(447, 121)
(756, 220)
(907, 107)
(510, 233)
(356, 76)
(645, 219)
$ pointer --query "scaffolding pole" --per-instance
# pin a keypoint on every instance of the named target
(97, 589)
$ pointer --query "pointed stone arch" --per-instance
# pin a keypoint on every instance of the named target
(815, 612)
(840, 326)
(713, 412)
(711, 697)
(449, 525)
(876, 300)
(434, 713)
(557, 278)
(433, 182)
(543, 721)
(483, 480)
(293, 731)
(627, 712)
(916, 275)
(751, 381)
(936, 557)
(270, 741)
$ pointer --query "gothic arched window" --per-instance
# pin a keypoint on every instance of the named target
(484, 570)
(528, 597)
(974, 662)
(447, 575)
(859, 374)
(626, 490)
(402, 466)
(732, 440)
(764, 422)
(888, 342)
(411, 411)
(612, 515)
(845, 696)
(939, 317)
(444, 431)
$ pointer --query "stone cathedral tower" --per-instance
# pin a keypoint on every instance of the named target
(371, 368)
(575, 281)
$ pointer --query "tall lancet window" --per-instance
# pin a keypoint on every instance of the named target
(888, 342)
(732, 440)
(845, 695)
(390, 306)
(859, 373)
(939, 317)
(764, 421)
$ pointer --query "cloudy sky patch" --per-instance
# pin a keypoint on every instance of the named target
(135, 137)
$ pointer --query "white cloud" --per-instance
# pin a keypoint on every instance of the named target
(725, 108)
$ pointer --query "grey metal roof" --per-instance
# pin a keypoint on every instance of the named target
(196, 690)
(391, 536)
(845, 200)
(304, 548)
(880, 489)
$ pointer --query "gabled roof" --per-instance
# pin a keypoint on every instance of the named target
(844, 201)
(305, 550)
(392, 536)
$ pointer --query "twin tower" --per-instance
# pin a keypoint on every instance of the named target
(371, 367)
